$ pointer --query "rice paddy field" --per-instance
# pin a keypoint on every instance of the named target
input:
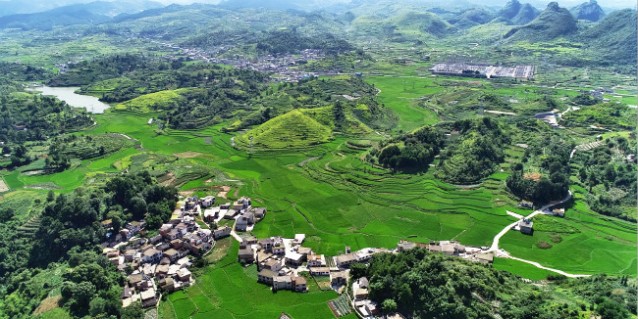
(228, 290)
(335, 197)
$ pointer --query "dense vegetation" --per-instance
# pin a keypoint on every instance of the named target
(546, 177)
(473, 151)
(309, 160)
(287, 42)
(411, 152)
(32, 117)
(423, 285)
(609, 174)
(67, 235)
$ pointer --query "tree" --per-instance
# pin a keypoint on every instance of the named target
(137, 207)
(389, 306)
(609, 309)
(133, 311)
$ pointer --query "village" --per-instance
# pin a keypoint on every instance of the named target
(285, 68)
(157, 263)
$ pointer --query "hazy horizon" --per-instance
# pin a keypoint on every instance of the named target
(48, 4)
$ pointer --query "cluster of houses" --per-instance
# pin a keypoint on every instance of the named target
(161, 262)
(598, 93)
(281, 262)
(285, 67)
(241, 211)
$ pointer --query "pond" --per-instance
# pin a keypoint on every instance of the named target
(68, 95)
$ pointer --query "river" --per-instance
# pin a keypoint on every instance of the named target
(68, 95)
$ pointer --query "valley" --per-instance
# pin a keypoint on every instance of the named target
(355, 127)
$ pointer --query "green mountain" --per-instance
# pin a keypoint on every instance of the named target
(588, 11)
(77, 14)
(614, 38)
(301, 128)
(516, 13)
(425, 22)
(471, 17)
(552, 23)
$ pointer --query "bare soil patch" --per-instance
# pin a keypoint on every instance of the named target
(47, 304)
(188, 155)
(3, 186)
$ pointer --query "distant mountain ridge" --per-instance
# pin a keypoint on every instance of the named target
(614, 37)
(590, 11)
(517, 13)
(88, 13)
(552, 23)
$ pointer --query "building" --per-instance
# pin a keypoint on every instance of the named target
(266, 276)
(345, 260)
(148, 297)
(184, 275)
(338, 278)
(259, 212)
(207, 201)
(282, 283)
(273, 264)
(316, 260)
(244, 220)
(221, 232)
(560, 212)
(526, 226)
(360, 289)
(171, 254)
(405, 245)
(242, 204)
(299, 284)
(450, 248)
(526, 204)
(167, 284)
(246, 255)
(523, 72)
(294, 259)
(151, 255)
(320, 271)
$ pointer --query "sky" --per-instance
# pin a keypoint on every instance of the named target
(538, 3)
(611, 4)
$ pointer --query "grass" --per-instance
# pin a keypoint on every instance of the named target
(294, 129)
(337, 199)
(521, 269)
(401, 94)
(227, 290)
(153, 101)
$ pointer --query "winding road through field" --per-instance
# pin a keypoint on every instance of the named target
(504, 254)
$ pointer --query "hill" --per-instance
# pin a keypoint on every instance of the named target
(614, 38)
(77, 14)
(516, 13)
(293, 129)
(588, 11)
(303, 127)
(471, 17)
(552, 23)
(428, 285)
(425, 22)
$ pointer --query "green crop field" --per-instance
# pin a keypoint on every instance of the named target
(229, 291)
(152, 101)
(401, 94)
(338, 199)
(521, 269)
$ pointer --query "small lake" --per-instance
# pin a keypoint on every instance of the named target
(68, 95)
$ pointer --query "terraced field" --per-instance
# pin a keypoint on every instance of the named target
(230, 291)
